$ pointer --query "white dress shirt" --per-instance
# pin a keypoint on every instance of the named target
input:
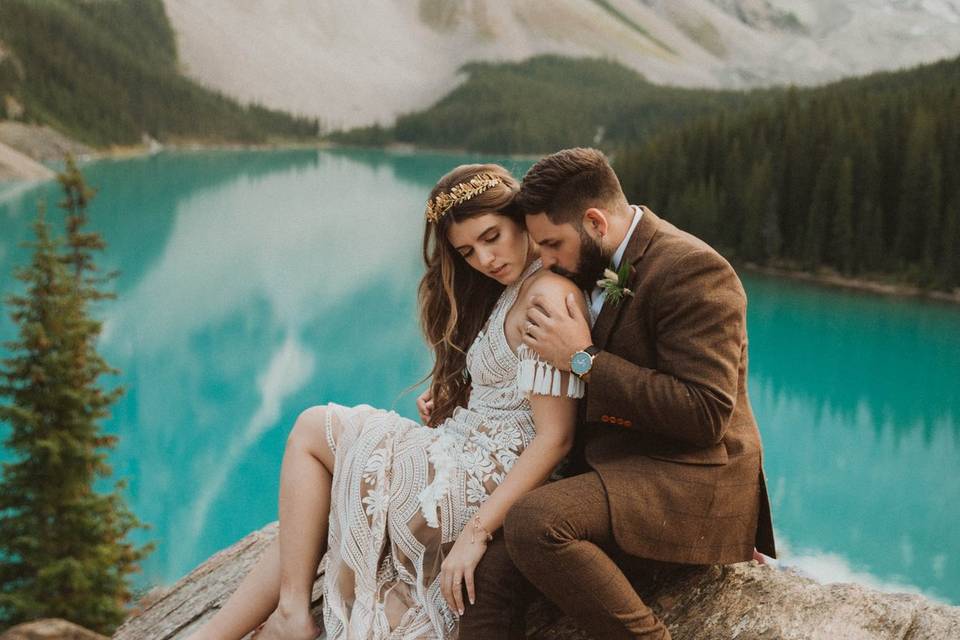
(598, 295)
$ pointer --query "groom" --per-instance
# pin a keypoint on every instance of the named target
(668, 463)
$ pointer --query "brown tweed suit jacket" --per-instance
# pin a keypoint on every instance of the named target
(666, 422)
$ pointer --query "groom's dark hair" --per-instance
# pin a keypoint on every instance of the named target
(566, 183)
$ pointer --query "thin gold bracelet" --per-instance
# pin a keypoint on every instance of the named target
(479, 527)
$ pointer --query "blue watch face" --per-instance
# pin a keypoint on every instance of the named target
(580, 362)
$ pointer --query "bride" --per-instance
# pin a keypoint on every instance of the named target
(405, 510)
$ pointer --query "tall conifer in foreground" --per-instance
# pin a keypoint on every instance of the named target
(63, 547)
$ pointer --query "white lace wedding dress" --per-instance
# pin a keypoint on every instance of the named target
(402, 491)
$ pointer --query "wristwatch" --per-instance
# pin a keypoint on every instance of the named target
(582, 361)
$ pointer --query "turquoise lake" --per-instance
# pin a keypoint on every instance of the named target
(255, 284)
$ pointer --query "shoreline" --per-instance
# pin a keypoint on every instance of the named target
(863, 285)
(400, 148)
(16, 166)
(117, 152)
(823, 278)
(407, 148)
(46, 145)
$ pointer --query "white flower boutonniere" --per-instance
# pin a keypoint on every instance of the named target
(615, 284)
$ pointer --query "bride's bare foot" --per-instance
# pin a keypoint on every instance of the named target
(288, 625)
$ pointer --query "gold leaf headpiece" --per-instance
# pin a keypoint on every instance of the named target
(460, 193)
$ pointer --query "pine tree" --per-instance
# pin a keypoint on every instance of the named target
(757, 204)
(818, 217)
(930, 222)
(842, 236)
(63, 547)
(920, 190)
(733, 185)
(949, 268)
(796, 176)
(697, 210)
(870, 239)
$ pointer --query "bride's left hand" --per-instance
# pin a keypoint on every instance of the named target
(456, 571)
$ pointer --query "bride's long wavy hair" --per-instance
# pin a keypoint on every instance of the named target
(455, 299)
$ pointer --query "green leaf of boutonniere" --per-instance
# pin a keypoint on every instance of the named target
(614, 283)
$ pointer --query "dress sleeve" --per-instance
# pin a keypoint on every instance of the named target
(536, 376)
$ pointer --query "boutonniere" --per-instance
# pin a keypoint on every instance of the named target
(615, 284)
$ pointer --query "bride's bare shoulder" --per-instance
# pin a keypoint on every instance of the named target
(549, 285)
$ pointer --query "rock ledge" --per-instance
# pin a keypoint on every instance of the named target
(745, 601)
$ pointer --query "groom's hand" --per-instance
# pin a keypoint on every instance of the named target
(556, 331)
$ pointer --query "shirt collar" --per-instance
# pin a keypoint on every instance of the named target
(618, 254)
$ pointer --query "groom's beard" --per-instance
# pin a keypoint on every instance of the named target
(593, 260)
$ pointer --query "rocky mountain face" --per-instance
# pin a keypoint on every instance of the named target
(359, 63)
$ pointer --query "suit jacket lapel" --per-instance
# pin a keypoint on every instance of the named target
(636, 247)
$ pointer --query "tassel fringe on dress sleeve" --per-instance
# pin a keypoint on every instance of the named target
(534, 375)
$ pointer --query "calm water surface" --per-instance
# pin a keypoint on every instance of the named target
(255, 284)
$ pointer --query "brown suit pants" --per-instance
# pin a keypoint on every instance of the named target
(559, 537)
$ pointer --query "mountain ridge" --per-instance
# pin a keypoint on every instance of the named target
(354, 66)
(106, 72)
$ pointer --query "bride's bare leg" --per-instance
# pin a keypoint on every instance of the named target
(282, 580)
(250, 604)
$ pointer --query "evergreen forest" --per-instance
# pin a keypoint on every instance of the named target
(547, 103)
(106, 72)
(861, 177)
